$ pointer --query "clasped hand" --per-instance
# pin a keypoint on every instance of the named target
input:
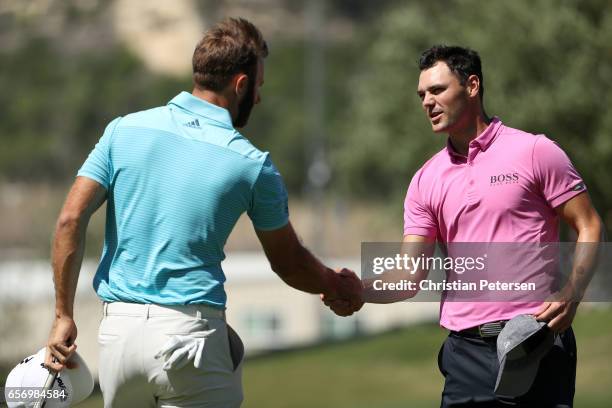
(349, 294)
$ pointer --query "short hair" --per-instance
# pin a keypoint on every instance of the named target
(463, 62)
(232, 46)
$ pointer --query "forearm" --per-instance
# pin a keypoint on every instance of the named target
(404, 280)
(305, 272)
(67, 257)
(585, 259)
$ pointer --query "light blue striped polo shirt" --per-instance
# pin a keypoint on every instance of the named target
(178, 178)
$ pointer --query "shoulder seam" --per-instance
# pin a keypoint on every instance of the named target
(263, 153)
(432, 158)
(258, 175)
(112, 135)
(111, 138)
(537, 138)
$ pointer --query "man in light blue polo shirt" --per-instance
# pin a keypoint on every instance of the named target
(176, 179)
(180, 177)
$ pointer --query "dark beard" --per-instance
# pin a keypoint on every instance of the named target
(245, 106)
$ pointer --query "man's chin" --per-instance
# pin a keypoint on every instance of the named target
(438, 127)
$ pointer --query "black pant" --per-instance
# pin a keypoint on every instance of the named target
(470, 366)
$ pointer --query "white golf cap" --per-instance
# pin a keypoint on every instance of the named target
(30, 374)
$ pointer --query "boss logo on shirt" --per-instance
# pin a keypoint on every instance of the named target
(505, 178)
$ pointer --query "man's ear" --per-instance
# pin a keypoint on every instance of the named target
(473, 85)
(241, 84)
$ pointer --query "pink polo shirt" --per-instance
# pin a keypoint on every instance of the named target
(505, 190)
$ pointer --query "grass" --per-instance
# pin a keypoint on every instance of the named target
(398, 369)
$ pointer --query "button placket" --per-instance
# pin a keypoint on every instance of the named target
(471, 188)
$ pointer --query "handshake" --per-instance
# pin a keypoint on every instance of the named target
(346, 297)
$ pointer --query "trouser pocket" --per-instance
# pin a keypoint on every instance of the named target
(180, 349)
(441, 358)
(107, 332)
(236, 347)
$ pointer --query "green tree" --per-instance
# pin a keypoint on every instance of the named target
(547, 68)
(55, 106)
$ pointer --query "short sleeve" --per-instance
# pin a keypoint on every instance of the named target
(97, 166)
(269, 205)
(558, 179)
(418, 219)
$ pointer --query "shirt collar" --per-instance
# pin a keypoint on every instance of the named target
(200, 107)
(483, 141)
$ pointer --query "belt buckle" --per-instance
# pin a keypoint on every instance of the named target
(491, 329)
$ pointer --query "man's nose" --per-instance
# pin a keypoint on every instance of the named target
(428, 101)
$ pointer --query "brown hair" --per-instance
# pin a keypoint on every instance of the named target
(230, 47)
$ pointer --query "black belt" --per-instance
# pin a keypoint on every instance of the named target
(490, 329)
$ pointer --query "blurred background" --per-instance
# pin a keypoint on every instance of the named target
(342, 122)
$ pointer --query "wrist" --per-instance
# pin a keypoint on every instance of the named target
(573, 292)
(63, 314)
(331, 284)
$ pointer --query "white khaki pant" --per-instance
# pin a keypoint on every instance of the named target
(130, 336)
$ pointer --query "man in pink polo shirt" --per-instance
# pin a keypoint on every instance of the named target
(490, 184)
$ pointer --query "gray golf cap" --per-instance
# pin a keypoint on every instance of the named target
(520, 346)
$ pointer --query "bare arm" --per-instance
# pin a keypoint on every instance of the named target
(412, 246)
(300, 269)
(84, 198)
(583, 218)
(580, 214)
